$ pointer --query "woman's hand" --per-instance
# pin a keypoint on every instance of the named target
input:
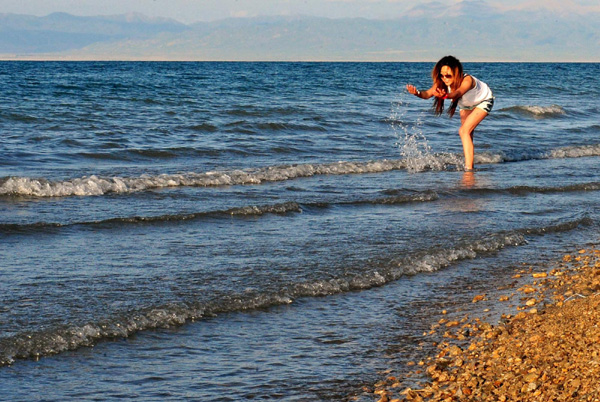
(412, 89)
(440, 93)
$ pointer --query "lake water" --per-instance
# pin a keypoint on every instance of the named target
(272, 231)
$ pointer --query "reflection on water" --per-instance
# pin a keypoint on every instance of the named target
(466, 204)
(468, 179)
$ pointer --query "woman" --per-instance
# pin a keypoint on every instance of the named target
(473, 96)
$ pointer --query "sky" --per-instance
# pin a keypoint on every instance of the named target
(190, 11)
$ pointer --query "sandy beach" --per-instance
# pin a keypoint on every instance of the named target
(547, 350)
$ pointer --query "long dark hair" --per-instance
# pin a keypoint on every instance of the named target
(457, 70)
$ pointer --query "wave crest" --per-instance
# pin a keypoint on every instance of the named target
(243, 211)
(96, 185)
(537, 111)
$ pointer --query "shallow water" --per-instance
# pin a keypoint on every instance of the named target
(227, 231)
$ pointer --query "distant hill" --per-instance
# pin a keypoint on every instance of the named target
(26, 34)
(471, 30)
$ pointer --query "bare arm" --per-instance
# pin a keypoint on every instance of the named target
(467, 84)
(426, 94)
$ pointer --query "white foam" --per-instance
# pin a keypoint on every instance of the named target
(416, 157)
(544, 110)
(575, 151)
(538, 111)
(434, 261)
(94, 185)
(485, 158)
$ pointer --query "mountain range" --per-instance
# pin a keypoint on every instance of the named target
(472, 30)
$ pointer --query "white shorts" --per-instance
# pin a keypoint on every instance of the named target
(485, 105)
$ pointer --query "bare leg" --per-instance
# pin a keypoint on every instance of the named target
(469, 119)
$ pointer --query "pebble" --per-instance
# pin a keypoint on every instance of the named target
(478, 298)
(552, 354)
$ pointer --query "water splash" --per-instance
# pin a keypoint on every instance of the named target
(413, 145)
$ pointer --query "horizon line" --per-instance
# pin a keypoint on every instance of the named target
(6, 58)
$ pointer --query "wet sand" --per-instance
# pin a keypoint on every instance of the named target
(548, 349)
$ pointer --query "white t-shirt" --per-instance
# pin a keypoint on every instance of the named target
(475, 95)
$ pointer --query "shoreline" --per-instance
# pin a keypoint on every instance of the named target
(549, 349)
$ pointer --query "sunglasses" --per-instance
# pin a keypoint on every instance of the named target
(447, 76)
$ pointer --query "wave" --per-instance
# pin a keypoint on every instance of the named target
(538, 112)
(97, 185)
(558, 227)
(262, 127)
(151, 153)
(245, 211)
(524, 190)
(203, 127)
(392, 197)
(252, 111)
(576, 151)
(401, 199)
(69, 337)
(21, 118)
